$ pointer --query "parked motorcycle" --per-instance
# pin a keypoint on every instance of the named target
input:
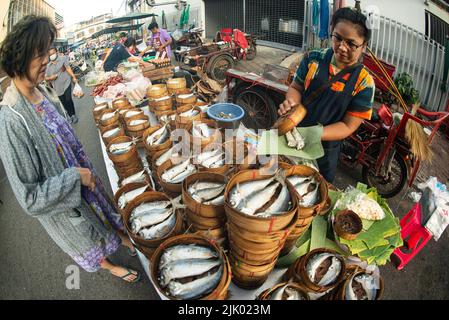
(384, 153)
(190, 38)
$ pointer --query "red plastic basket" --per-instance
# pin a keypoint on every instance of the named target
(377, 73)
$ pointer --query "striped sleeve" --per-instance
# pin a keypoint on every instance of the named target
(363, 97)
(301, 72)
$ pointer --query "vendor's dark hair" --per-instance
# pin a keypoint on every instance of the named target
(355, 17)
(130, 41)
(31, 36)
(153, 25)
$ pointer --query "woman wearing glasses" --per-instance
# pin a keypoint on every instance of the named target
(334, 87)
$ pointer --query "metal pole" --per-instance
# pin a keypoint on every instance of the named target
(244, 15)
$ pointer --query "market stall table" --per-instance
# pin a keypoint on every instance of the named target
(235, 293)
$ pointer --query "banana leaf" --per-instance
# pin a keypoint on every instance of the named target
(270, 143)
(319, 230)
(297, 252)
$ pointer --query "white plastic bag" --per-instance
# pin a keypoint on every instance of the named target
(78, 91)
(437, 203)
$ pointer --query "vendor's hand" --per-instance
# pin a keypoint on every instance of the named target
(286, 106)
(87, 178)
(74, 80)
(160, 49)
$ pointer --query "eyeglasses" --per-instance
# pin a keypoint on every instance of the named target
(351, 45)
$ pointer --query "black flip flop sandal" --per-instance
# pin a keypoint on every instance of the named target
(130, 272)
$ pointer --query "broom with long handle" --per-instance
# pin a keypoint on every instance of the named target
(414, 132)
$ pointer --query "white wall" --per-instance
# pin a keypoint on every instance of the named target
(408, 12)
(173, 15)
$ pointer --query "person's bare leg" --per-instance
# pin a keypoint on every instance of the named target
(118, 271)
(125, 241)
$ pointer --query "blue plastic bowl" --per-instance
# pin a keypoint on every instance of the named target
(234, 109)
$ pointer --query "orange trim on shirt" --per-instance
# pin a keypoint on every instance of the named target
(366, 115)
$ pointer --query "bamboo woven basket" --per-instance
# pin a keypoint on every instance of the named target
(251, 258)
(266, 294)
(355, 271)
(252, 223)
(162, 104)
(120, 133)
(273, 238)
(168, 187)
(140, 127)
(155, 148)
(253, 246)
(122, 158)
(110, 121)
(203, 223)
(292, 238)
(324, 193)
(220, 292)
(215, 137)
(289, 121)
(127, 188)
(120, 103)
(298, 272)
(128, 172)
(181, 100)
(176, 84)
(98, 110)
(206, 211)
(184, 122)
(153, 157)
(128, 117)
(157, 91)
(149, 197)
(215, 234)
(146, 179)
(247, 276)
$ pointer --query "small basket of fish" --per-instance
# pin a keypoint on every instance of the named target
(141, 176)
(259, 202)
(167, 117)
(176, 85)
(191, 267)
(128, 170)
(122, 150)
(133, 114)
(203, 132)
(203, 194)
(157, 91)
(121, 103)
(360, 285)
(164, 103)
(185, 97)
(321, 270)
(151, 218)
(185, 116)
(98, 111)
(218, 160)
(128, 193)
(157, 138)
(171, 175)
(109, 117)
(139, 124)
(110, 132)
(159, 157)
(312, 194)
(285, 291)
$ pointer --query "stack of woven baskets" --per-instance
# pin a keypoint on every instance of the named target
(255, 242)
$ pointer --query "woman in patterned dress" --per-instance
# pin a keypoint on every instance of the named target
(49, 171)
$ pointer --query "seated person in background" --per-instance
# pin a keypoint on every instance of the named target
(121, 52)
